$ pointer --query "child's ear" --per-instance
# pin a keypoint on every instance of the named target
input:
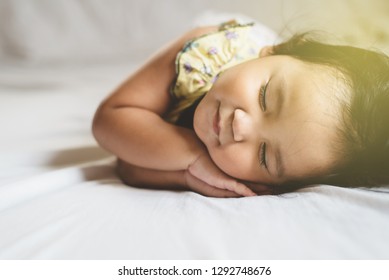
(266, 51)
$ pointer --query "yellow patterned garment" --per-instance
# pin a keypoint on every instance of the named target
(202, 59)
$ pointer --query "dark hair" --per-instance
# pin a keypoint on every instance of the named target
(364, 131)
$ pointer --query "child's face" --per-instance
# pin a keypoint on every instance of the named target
(288, 134)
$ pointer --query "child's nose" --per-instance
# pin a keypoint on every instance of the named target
(240, 125)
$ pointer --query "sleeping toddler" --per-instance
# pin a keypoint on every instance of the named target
(221, 113)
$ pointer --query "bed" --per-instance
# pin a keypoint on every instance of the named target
(60, 197)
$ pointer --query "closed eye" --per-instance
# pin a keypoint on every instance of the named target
(262, 97)
(262, 155)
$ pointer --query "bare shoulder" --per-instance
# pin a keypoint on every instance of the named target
(200, 31)
(148, 88)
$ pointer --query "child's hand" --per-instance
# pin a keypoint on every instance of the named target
(204, 177)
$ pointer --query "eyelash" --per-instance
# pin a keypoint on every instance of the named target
(262, 97)
(262, 155)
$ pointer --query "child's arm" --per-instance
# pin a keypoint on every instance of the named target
(129, 124)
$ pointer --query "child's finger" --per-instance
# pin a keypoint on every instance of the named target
(203, 188)
(235, 186)
(261, 189)
(244, 190)
(222, 181)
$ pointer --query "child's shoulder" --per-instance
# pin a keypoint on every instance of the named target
(199, 32)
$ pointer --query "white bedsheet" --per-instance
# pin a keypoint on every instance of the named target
(60, 197)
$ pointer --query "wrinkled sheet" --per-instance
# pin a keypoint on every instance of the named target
(61, 199)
